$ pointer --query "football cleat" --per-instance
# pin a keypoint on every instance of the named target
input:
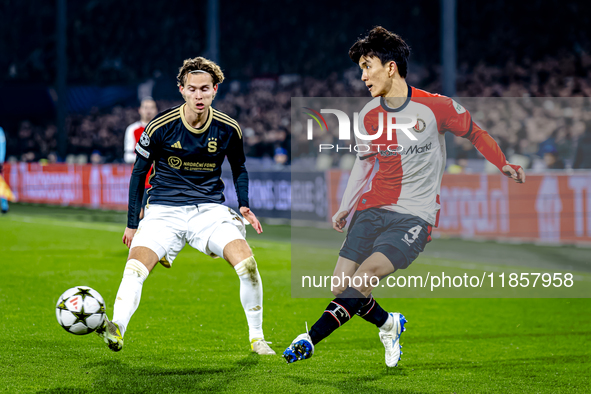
(260, 346)
(301, 348)
(111, 334)
(165, 263)
(391, 339)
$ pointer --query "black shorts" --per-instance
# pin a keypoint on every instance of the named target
(379, 230)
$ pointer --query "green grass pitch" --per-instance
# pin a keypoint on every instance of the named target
(189, 334)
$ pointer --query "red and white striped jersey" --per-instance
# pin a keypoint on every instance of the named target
(132, 137)
(408, 179)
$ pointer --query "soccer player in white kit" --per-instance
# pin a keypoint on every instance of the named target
(393, 219)
(187, 145)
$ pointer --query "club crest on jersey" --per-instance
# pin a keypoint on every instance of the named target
(420, 126)
(144, 139)
(212, 145)
(175, 162)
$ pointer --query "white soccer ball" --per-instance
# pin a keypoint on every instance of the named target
(80, 310)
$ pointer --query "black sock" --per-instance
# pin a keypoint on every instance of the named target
(338, 312)
(373, 312)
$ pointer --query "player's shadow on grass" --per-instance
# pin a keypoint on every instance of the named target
(496, 364)
(468, 337)
(355, 382)
(120, 377)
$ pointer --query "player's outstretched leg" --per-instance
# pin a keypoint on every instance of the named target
(126, 303)
(251, 297)
(338, 312)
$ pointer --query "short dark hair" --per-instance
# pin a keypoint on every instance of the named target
(384, 45)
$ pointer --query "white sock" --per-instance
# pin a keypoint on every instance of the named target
(251, 295)
(129, 294)
(387, 326)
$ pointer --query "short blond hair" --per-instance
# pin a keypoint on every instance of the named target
(199, 64)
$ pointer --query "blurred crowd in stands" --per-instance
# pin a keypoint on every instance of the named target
(273, 51)
(512, 103)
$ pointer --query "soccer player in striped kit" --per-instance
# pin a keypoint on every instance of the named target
(393, 219)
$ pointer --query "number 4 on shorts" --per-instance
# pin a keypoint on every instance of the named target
(414, 232)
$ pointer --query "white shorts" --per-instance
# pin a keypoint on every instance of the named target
(207, 227)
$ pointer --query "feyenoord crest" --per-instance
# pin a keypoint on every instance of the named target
(144, 139)
(420, 126)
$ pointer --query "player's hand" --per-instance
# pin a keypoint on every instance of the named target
(339, 221)
(252, 219)
(128, 236)
(515, 172)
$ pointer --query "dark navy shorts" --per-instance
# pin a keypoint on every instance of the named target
(379, 230)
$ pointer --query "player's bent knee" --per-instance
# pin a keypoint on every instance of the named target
(237, 251)
(144, 256)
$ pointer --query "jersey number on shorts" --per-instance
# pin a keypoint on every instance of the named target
(414, 232)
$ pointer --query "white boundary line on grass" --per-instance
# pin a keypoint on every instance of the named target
(66, 223)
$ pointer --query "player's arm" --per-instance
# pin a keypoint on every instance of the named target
(460, 120)
(136, 194)
(237, 161)
(360, 174)
(145, 150)
(493, 153)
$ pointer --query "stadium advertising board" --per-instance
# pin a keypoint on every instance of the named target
(551, 208)
(106, 186)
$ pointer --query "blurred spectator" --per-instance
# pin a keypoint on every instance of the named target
(552, 160)
(148, 110)
(96, 158)
(583, 152)
(280, 157)
(460, 165)
(548, 145)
